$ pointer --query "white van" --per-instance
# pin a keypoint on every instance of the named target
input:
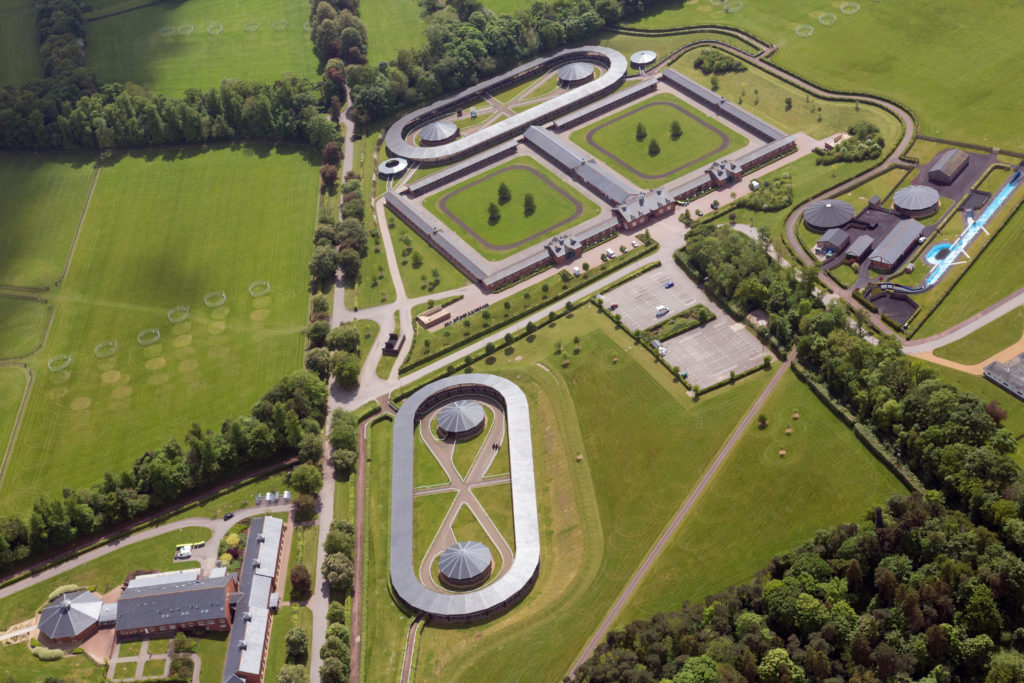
(576, 271)
(611, 254)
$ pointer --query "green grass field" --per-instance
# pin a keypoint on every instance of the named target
(164, 229)
(374, 286)
(827, 477)
(465, 452)
(514, 231)
(154, 667)
(391, 25)
(237, 498)
(500, 464)
(130, 47)
(987, 341)
(303, 551)
(845, 275)
(616, 143)
(418, 281)
(19, 51)
(125, 670)
(24, 322)
(426, 470)
(288, 617)
(42, 202)
(427, 514)
(159, 645)
(466, 527)
(212, 649)
(881, 185)
(497, 500)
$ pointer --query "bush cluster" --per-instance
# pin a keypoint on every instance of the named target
(771, 195)
(864, 143)
(710, 61)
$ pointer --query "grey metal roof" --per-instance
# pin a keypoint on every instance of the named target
(393, 166)
(163, 578)
(70, 615)
(526, 261)
(460, 416)
(596, 229)
(605, 104)
(836, 237)
(438, 131)
(576, 71)
(895, 245)
(915, 198)
(563, 153)
(860, 246)
(450, 173)
(464, 560)
(514, 125)
(719, 104)
(826, 214)
(692, 185)
(149, 607)
(587, 169)
(108, 612)
(441, 237)
(643, 57)
(520, 574)
(949, 163)
(601, 180)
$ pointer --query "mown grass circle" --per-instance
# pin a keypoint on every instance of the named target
(307, 27)
(251, 26)
(167, 31)
(178, 314)
(105, 349)
(215, 299)
(805, 30)
(186, 29)
(280, 25)
(827, 19)
(732, 6)
(59, 362)
(259, 288)
(717, 3)
(849, 8)
(148, 336)
(215, 29)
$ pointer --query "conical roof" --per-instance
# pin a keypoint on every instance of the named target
(464, 561)
(438, 131)
(643, 57)
(69, 615)
(916, 198)
(576, 71)
(460, 417)
(826, 214)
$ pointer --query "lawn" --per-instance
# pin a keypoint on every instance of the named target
(558, 208)
(41, 202)
(24, 321)
(613, 139)
(159, 645)
(385, 365)
(212, 649)
(131, 648)
(105, 572)
(426, 470)
(374, 285)
(434, 272)
(124, 670)
(466, 527)
(20, 61)
(845, 275)
(131, 47)
(230, 501)
(154, 667)
(391, 25)
(427, 514)
(304, 546)
(465, 452)
(500, 465)
(497, 500)
(287, 618)
(826, 477)
(163, 230)
(882, 185)
(987, 341)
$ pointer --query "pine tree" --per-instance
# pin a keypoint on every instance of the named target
(528, 205)
(493, 213)
(504, 194)
(677, 130)
(653, 149)
(641, 132)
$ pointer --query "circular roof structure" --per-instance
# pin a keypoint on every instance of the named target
(394, 166)
(826, 214)
(916, 198)
(438, 131)
(576, 71)
(464, 561)
(70, 615)
(460, 417)
(643, 58)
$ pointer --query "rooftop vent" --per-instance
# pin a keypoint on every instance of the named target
(241, 645)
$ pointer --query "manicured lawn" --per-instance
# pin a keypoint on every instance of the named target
(288, 617)
(200, 227)
(391, 25)
(882, 185)
(129, 46)
(466, 527)
(826, 477)
(497, 500)
(18, 664)
(987, 341)
(23, 325)
(385, 365)
(154, 667)
(374, 285)
(124, 670)
(368, 330)
(427, 514)
(105, 572)
(242, 497)
(304, 547)
(465, 452)
(12, 390)
(613, 139)
(500, 464)
(845, 275)
(426, 470)
(131, 648)
(41, 201)
(212, 649)
(159, 645)
(19, 51)
(468, 201)
(435, 273)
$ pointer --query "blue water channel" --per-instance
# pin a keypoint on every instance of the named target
(968, 235)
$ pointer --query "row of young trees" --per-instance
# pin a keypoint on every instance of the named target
(274, 430)
(918, 593)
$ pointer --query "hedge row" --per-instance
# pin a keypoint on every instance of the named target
(737, 376)
(626, 278)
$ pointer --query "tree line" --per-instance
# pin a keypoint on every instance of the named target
(914, 592)
(278, 426)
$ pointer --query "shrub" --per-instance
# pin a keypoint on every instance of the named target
(711, 61)
(343, 338)
(316, 333)
(232, 540)
(321, 304)
(301, 580)
(61, 590)
(318, 361)
(297, 642)
(183, 643)
(47, 654)
(305, 507)
(344, 461)
(335, 613)
(338, 571)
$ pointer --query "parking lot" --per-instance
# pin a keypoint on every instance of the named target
(709, 353)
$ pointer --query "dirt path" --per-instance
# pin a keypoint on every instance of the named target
(410, 648)
(680, 515)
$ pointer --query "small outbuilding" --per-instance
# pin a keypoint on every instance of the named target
(71, 617)
(947, 166)
(827, 214)
(896, 245)
(642, 59)
(438, 133)
(460, 420)
(860, 248)
(835, 240)
(575, 73)
(915, 201)
(392, 168)
(465, 565)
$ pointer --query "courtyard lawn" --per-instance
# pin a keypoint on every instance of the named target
(131, 648)
(426, 470)
(125, 670)
(427, 514)
(131, 47)
(303, 551)
(465, 452)
(434, 272)
(845, 275)
(468, 202)
(890, 60)
(24, 322)
(466, 527)
(826, 477)
(159, 645)
(882, 185)
(613, 140)
(105, 572)
(500, 465)
(391, 25)
(20, 61)
(206, 224)
(212, 650)
(287, 618)
(154, 667)
(497, 500)
(41, 202)
(987, 341)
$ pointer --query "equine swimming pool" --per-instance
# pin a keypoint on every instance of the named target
(942, 264)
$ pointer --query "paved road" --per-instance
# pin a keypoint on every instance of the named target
(972, 324)
(680, 515)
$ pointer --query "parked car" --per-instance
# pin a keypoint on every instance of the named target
(229, 516)
(612, 307)
(576, 271)
(660, 311)
(609, 252)
(635, 244)
(670, 284)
